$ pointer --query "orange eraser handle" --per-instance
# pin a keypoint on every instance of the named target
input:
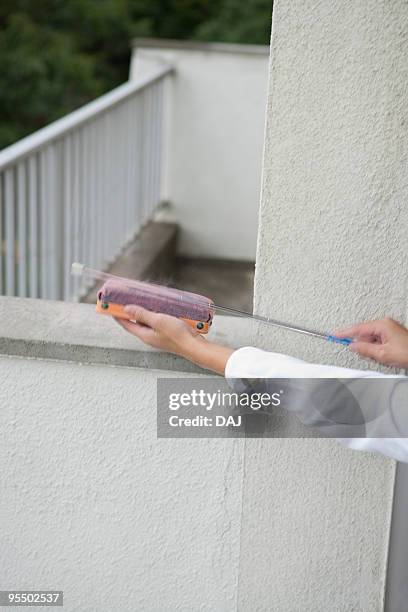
(117, 310)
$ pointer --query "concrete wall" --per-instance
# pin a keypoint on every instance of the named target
(214, 143)
(94, 505)
(91, 502)
(333, 238)
(332, 250)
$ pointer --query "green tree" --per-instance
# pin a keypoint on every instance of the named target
(239, 22)
(42, 76)
(56, 55)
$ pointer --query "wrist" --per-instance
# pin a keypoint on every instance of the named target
(192, 347)
(207, 354)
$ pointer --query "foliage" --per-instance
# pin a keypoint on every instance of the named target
(56, 55)
(239, 22)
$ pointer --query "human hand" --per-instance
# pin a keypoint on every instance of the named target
(175, 336)
(159, 330)
(385, 341)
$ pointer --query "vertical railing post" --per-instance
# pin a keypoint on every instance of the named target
(33, 225)
(75, 220)
(10, 231)
(22, 229)
(160, 141)
(67, 214)
(49, 223)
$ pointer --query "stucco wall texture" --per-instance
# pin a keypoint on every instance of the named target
(93, 504)
(333, 235)
(332, 250)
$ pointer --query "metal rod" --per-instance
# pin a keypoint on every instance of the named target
(275, 323)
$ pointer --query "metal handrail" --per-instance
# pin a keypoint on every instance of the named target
(81, 188)
(28, 145)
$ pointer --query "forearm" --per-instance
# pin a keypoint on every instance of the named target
(207, 355)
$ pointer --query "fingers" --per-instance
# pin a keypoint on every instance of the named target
(372, 331)
(368, 350)
(141, 331)
(141, 315)
(347, 332)
(356, 331)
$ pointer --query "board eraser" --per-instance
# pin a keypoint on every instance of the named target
(197, 310)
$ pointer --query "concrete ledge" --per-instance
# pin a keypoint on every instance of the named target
(190, 45)
(45, 329)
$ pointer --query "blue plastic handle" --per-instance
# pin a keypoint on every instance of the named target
(337, 340)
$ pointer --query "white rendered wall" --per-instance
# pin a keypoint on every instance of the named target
(332, 250)
(214, 146)
(92, 503)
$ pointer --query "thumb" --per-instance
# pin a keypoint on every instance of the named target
(141, 315)
(368, 349)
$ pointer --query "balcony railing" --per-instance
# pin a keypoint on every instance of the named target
(80, 189)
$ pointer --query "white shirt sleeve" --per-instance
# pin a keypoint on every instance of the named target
(250, 362)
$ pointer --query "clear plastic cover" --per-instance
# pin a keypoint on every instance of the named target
(116, 290)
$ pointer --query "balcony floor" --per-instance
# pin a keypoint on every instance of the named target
(228, 283)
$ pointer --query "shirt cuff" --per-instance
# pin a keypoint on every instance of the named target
(251, 362)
